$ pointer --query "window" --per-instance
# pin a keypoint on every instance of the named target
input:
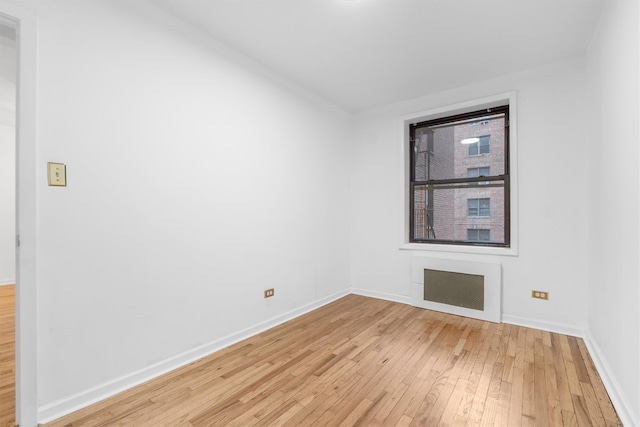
(478, 235)
(476, 172)
(479, 207)
(479, 147)
(459, 179)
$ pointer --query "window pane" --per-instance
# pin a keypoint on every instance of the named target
(485, 207)
(478, 172)
(446, 212)
(479, 207)
(478, 235)
(472, 206)
(484, 145)
(444, 151)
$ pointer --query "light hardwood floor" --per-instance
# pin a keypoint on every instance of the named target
(363, 361)
(7, 355)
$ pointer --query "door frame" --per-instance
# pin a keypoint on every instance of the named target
(26, 203)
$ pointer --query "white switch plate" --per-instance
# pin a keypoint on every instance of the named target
(57, 174)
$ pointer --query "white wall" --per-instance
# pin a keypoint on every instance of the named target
(614, 277)
(196, 179)
(7, 161)
(552, 197)
(7, 205)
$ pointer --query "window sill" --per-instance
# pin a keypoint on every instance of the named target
(479, 250)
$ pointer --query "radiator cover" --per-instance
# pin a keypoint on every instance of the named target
(462, 287)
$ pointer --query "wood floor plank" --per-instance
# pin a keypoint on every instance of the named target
(540, 385)
(515, 400)
(578, 361)
(580, 410)
(456, 400)
(562, 382)
(395, 395)
(369, 362)
(304, 416)
(7, 355)
(598, 387)
(551, 381)
(492, 402)
(502, 414)
(398, 412)
(572, 374)
(569, 419)
(480, 396)
(593, 406)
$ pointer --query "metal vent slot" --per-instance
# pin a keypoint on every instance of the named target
(458, 289)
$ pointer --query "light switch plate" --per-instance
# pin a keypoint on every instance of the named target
(57, 174)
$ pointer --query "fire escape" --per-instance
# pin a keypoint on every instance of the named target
(423, 199)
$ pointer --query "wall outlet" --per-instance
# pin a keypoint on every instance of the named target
(540, 294)
(269, 293)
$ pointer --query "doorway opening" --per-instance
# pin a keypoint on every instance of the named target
(8, 107)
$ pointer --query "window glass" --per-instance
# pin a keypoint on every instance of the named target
(479, 207)
(476, 172)
(449, 202)
(478, 235)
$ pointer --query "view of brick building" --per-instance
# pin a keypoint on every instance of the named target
(460, 211)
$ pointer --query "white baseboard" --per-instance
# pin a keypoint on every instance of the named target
(7, 282)
(62, 407)
(543, 326)
(381, 295)
(618, 399)
(514, 320)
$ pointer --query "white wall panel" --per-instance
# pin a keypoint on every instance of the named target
(613, 212)
(196, 179)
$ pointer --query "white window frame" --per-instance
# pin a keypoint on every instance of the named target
(451, 110)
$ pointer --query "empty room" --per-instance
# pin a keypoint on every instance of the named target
(320, 212)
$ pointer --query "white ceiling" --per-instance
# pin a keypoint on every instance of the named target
(359, 54)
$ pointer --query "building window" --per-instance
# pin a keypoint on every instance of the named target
(478, 235)
(479, 207)
(481, 146)
(453, 198)
(477, 172)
